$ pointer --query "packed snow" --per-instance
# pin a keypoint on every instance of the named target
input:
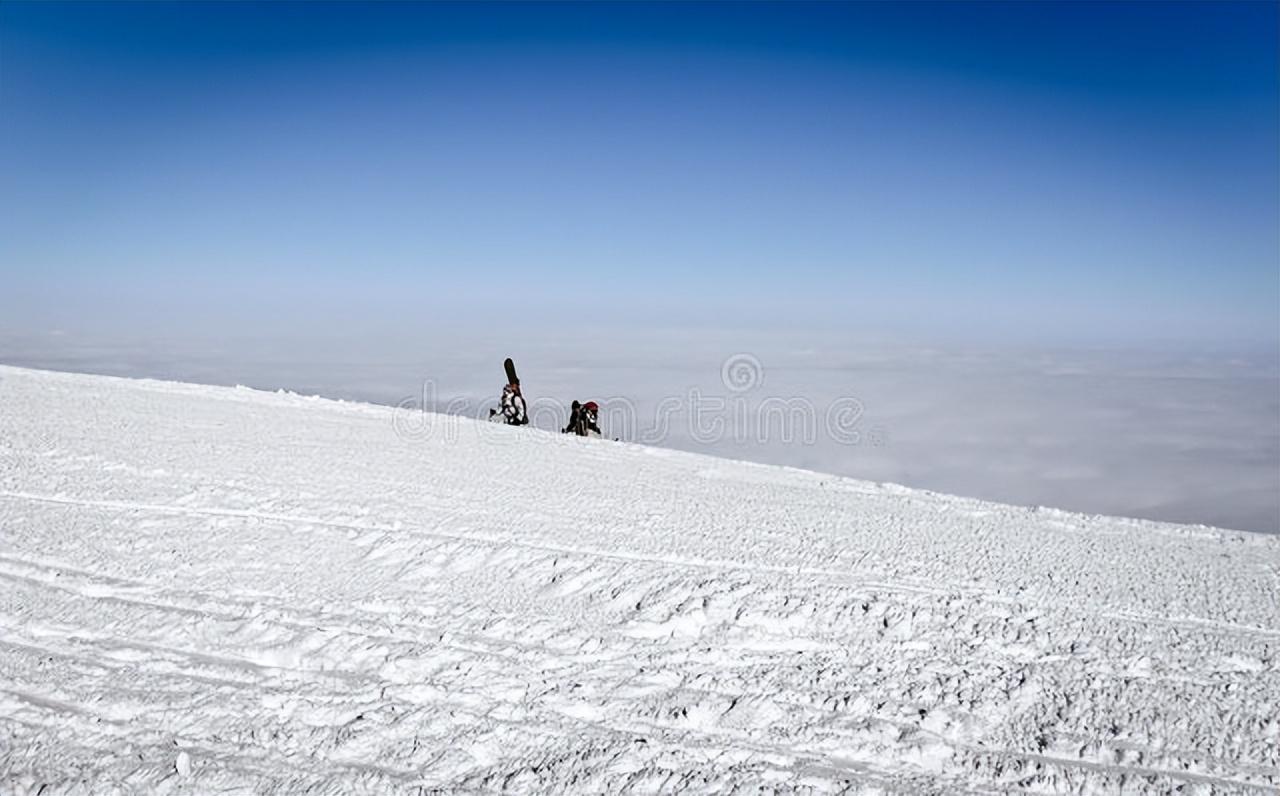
(206, 588)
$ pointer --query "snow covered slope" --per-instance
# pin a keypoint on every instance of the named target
(208, 588)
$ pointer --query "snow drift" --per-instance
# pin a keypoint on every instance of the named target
(207, 588)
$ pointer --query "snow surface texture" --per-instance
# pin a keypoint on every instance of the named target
(207, 588)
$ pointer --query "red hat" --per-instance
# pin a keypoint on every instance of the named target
(591, 406)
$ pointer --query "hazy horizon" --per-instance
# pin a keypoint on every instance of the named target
(1157, 433)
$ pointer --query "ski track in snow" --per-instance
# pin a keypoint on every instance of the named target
(207, 588)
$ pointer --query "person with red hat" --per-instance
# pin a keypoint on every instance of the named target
(584, 420)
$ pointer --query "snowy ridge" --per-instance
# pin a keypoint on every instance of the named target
(207, 588)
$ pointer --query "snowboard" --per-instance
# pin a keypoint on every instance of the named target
(510, 367)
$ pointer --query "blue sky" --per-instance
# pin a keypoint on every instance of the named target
(1040, 243)
(1086, 172)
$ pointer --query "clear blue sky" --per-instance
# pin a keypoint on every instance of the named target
(1085, 171)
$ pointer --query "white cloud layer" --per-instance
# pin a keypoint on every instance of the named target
(1181, 435)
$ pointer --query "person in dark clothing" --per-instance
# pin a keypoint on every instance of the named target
(584, 420)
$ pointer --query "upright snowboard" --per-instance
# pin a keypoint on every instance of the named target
(513, 411)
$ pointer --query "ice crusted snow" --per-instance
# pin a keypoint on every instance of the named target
(207, 589)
